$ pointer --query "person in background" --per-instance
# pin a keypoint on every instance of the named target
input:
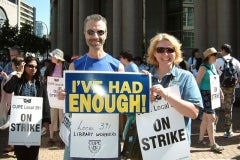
(229, 92)
(140, 63)
(73, 58)
(16, 63)
(96, 59)
(184, 64)
(126, 58)
(164, 53)
(55, 69)
(26, 82)
(44, 67)
(13, 51)
(6, 98)
(195, 61)
(206, 70)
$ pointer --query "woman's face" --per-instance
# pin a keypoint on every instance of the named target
(31, 68)
(54, 60)
(212, 58)
(165, 53)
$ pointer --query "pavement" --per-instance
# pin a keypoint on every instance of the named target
(231, 145)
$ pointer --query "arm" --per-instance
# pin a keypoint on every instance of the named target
(200, 74)
(11, 84)
(184, 107)
(121, 68)
(71, 66)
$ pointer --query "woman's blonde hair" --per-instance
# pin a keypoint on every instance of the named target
(152, 48)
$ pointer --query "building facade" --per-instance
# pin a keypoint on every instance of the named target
(26, 13)
(41, 29)
(17, 12)
(132, 23)
(8, 11)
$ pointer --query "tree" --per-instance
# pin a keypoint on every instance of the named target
(8, 35)
(25, 38)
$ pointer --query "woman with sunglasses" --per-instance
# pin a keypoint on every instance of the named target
(206, 70)
(27, 82)
(164, 53)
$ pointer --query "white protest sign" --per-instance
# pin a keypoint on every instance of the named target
(215, 91)
(94, 135)
(25, 121)
(53, 85)
(162, 132)
(65, 128)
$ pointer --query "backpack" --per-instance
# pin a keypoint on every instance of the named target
(227, 78)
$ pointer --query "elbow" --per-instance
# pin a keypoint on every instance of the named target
(195, 113)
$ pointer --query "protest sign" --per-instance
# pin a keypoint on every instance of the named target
(215, 91)
(106, 92)
(97, 134)
(25, 121)
(166, 137)
(53, 86)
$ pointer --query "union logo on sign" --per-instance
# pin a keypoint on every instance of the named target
(94, 145)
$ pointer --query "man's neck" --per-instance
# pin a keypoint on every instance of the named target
(96, 53)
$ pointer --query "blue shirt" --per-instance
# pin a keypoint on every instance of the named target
(8, 68)
(132, 67)
(106, 63)
(188, 88)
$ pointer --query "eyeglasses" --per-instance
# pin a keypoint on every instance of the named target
(214, 54)
(31, 66)
(163, 50)
(91, 32)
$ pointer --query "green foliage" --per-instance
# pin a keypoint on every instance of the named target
(25, 38)
(8, 35)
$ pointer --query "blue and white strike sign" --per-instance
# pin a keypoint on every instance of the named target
(106, 92)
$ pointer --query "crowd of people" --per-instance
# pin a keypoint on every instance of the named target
(194, 79)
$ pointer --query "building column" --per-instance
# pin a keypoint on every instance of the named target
(129, 25)
(211, 24)
(75, 43)
(85, 9)
(117, 27)
(64, 27)
(53, 33)
(225, 22)
(200, 22)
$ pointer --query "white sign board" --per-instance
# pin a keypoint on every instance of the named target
(65, 128)
(53, 86)
(94, 135)
(162, 132)
(25, 121)
(215, 91)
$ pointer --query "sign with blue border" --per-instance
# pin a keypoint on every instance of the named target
(106, 92)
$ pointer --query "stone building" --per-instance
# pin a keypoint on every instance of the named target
(131, 23)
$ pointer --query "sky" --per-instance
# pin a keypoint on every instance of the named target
(42, 10)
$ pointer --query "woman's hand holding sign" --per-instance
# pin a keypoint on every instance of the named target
(61, 94)
(158, 92)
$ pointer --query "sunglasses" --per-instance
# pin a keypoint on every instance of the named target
(31, 66)
(163, 50)
(91, 32)
(214, 54)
